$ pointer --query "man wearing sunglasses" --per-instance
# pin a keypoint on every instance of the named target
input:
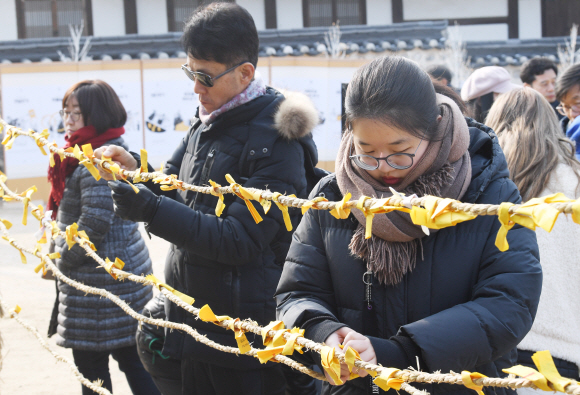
(263, 140)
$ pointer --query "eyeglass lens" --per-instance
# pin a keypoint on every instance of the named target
(75, 116)
(396, 161)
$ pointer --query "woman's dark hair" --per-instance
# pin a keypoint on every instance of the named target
(567, 80)
(99, 104)
(480, 106)
(439, 72)
(395, 91)
(223, 33)
(534, 67)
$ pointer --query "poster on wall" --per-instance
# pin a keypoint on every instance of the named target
(170, 104)
(323, 86)
(33, 100)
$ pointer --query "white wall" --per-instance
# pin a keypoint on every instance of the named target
(289, 14)
(258, 11)
(530, 18)
(379, 12)
(8, 26)
(151, 16)
(448, 9)
(108, 18)
(491, 32)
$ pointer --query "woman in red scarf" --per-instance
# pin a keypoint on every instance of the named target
(92, 326)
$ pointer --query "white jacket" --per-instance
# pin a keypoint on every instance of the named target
(557, 324)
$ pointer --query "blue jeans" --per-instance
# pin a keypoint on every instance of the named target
(95, 365)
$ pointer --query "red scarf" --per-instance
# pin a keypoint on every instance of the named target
(57, 175)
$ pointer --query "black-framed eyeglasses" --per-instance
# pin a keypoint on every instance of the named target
(399, 161)
(75, 116)
(203, 78)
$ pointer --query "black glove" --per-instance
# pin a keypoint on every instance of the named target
(137, 207)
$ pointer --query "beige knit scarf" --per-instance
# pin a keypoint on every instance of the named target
(443, 170)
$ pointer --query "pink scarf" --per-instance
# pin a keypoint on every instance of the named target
(256, 89)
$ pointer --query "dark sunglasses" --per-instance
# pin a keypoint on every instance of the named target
(203, 78)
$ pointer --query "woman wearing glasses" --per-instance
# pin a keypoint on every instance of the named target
(92, 326)
(446, 300)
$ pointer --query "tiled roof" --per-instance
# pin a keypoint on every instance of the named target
(297, 42)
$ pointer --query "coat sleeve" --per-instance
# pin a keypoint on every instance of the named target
(234, 238)
(500, 313)
(96, 217)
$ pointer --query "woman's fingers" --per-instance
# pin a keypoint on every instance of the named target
(118, 155)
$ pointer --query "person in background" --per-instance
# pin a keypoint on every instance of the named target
(541, 162)
(263, 140)
(443, 300)
(568, 93)
(94, 327)
(440, 74)
(482, 88)
(540, 74)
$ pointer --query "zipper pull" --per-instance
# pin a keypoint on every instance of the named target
(211, 153)
(368, 280)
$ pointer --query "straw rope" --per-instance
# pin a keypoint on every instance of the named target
(396, 201)
(95, 386)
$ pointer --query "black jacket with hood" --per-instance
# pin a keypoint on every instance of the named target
(230, 262)
(465, 306)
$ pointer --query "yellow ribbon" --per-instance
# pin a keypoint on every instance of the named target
(542, 213)
(27, 194)
(88, 161)
(113, 169)
(312, 204)
(508, 221)
(283, 209)
(386, 381)
(143, 168)
(158, 284)
(547, 374)
(341, 209)
(59, 152)
(11, 242)
(42, 265)
(272, 326)
(37, 136)
(169, 182)
(6, 223)
(245, 196)
(207, 315)
(351, 356)
(38, 212)
(118, 264)
(16, 310)
(219, 208)
(73, 231)
(468, 377)
(369, 215)
(436, 213)
(10, 137)
(330, 363)
(278, 345)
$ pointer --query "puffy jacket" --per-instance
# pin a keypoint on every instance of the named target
(465, 306)
(90, 322)
(230, 262)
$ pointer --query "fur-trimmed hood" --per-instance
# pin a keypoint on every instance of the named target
(296, 117)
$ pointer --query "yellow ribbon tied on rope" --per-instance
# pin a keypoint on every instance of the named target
(6, 223)
(546, 374)
(468, 377)
(219, 208)
(10, 137)
(42, 265)
(386, 379)
(72, 231)
(11, 242)
(56, 151)
(508, 221)
(169, 182)
(245, 196)
(15, 310)
(341, 209)
(89, 161)
(330, 363)
(283, 209)
(379, 206)
(207, 315)
(117, 264)
(351, 356)
(436, 213)
(37, 136)
(159, 284)
(143, 168)
(279, 345)
(27, 194)
(541, 212)
(312, 204)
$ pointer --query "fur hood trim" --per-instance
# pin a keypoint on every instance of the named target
(296, 116)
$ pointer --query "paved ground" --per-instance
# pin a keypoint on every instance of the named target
(27, 367)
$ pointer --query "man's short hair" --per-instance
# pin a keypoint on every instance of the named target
(223, 33)
(534, 67)
(439, 72)
(569, 78)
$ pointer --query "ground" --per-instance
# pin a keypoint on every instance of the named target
(27, 367)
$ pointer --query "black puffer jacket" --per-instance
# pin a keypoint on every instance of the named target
(230, 262)
(465, 306)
